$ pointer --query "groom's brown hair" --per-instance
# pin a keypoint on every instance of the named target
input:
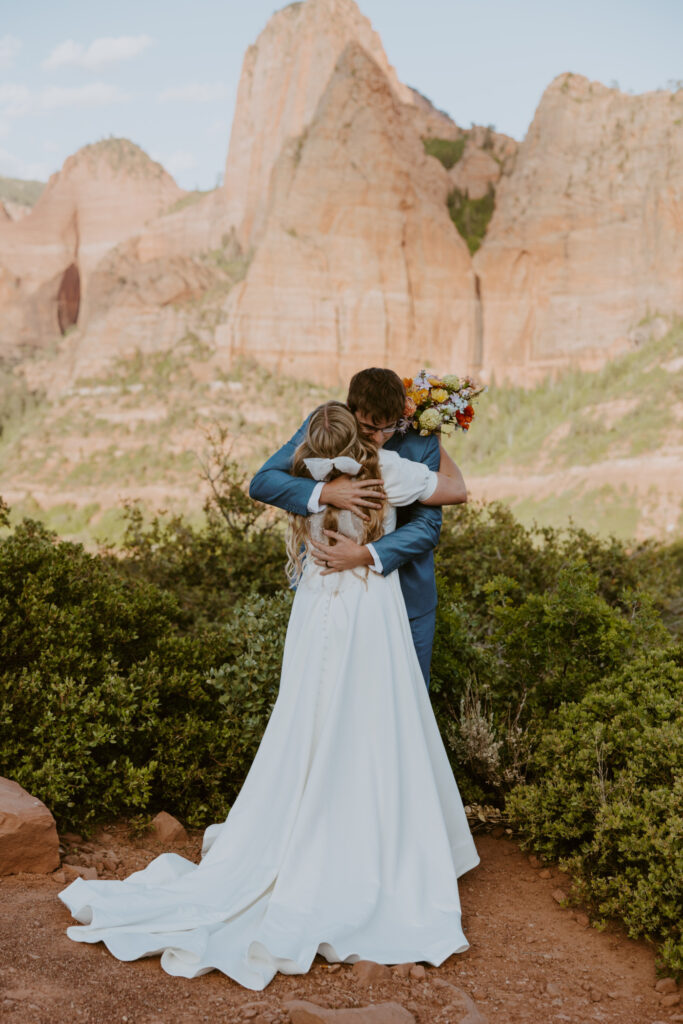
(377, 393)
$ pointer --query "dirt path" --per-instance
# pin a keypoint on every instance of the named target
(530, 961)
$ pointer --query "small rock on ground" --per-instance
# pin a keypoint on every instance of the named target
(168, 829)
(303, 1012)
(367, 972)
(666, 986)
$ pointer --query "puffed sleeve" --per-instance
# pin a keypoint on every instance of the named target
(406, 481)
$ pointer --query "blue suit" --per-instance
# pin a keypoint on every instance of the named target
(410, 548)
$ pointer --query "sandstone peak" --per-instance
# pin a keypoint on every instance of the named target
(120, 155)
(105, 193)
(284, 74)
(585, 238)
(570, 84)
(359, 261)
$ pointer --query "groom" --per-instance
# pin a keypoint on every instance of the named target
(377, 399)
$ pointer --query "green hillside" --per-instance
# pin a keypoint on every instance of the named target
(597, 447)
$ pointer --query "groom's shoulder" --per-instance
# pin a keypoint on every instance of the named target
(412, 445)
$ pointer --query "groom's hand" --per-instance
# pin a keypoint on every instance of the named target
(345, 554)
(354, 495)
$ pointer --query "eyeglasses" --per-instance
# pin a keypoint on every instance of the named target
(370, 428)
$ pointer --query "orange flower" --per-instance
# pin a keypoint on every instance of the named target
(409, 408)
(407, 382)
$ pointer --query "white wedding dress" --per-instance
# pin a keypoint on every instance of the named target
(348, 835)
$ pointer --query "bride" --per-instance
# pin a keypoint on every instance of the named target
(349, 834)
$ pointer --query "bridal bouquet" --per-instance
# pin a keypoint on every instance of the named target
(439, 404)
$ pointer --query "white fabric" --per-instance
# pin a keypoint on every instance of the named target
(348, 835)
(376, 560)
(314, 503)
(321, 468)
(405, 481)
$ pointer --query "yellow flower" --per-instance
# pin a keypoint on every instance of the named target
(419, 395)
(439, 394)
(451, 381)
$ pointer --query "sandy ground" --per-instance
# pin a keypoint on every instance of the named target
(530, 960)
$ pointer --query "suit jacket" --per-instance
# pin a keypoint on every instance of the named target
(410, 548)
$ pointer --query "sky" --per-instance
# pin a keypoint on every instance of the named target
(166, 74)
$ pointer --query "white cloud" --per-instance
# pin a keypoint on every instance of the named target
(18, 101)
(13, 167)
(106, 50)
(15, 100)
(94, 94)
(9, 48)
(195, 92)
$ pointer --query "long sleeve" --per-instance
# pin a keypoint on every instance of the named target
(274, 485)
(419, 533)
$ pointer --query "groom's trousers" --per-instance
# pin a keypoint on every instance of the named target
(422, 627)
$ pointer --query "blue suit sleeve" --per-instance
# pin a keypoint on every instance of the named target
(420, 532)
(274, 485)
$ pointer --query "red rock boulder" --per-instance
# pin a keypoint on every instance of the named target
(28, 834)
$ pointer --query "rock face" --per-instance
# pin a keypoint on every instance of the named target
(28, 834)
(487, 156)
(105, 193)
(340, 223)
(283, 77)
(359, 262)
(586, 236)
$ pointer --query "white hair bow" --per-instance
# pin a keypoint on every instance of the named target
(320, 468)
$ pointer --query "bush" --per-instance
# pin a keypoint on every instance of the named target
(145, 682)
(607, 797)
(526, 620)
(447, 151)
(238, 549)
(107, 702)
(471, 216)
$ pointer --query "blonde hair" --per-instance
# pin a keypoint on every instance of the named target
(332, 431)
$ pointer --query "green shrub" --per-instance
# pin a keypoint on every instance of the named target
(480, 542)
(528, 619)
(238, 548)
(606, 796)
(107, 702)
(471, 216)
(145, 680)
(448, 151)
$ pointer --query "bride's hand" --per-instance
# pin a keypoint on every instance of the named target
(352, 494)
(345, 554)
